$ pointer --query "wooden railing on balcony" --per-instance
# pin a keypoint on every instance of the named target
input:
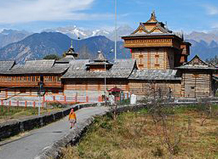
(30, 81)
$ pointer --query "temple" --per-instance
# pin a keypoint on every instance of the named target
(156, 47)
(159, 67)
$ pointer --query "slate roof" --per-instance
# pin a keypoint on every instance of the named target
(38, 67)
(65, 60)
(120, 69)
(6, 65)
(197, 64)
(154, 75)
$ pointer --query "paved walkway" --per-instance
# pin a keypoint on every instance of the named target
(36, 140)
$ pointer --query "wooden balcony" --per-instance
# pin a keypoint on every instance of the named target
(53, 84)
(30, 84)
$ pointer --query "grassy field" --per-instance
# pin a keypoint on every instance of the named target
(178, 133)
(14, 113)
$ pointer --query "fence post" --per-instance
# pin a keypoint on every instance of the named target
(9, 103)
(17, 103)
(65, 99)
(76, 98)
(99, 98)
(2, 102)
(34, 104)
(87, 99)
(53, 98)
(25, 104)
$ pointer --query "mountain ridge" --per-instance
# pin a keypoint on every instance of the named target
(38, 45)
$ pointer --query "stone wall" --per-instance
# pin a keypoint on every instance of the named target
(9, 129)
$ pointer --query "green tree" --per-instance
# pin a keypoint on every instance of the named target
(51, 56)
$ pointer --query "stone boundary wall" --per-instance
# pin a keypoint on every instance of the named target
(12, 128)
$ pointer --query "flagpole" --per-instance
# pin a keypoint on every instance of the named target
(115, 45)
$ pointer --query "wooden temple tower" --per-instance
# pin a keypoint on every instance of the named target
(155, 47)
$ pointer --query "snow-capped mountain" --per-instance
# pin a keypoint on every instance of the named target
(80, 33)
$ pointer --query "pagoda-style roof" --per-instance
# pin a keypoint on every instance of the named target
(152, 27)
(69, 55)
(100, 61)
(197, 64)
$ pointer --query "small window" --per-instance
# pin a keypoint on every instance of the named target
(140, 56)
(192, 87)
(156, 56)
(22, 91)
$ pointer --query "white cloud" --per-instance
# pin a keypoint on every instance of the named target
(21, 11)
(211, 10)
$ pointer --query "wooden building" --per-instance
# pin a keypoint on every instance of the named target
(197, 78)
(155, 47)
(158, 67)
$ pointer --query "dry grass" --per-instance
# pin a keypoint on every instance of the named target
(135, 136)
(16, 113)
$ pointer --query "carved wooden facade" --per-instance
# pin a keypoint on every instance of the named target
(153, 41)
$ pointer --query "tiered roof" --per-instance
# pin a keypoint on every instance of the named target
(69, 55)
(152, 27)
(100, 61)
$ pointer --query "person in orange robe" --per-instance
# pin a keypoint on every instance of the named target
(72, 118)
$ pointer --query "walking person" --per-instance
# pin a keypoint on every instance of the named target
(72, 118)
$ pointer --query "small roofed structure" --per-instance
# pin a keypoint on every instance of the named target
(99, 64)
(69, 55)
(196, 64)
(197, 78)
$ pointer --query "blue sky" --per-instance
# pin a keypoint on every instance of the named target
(36, 15)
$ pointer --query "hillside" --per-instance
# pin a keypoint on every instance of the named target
(38, 45)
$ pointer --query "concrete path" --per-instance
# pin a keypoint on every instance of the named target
(36, 140)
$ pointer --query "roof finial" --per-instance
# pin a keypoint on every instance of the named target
(71, 46)
(153, 17)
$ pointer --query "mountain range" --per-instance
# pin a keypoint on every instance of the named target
(75, 32)
(38, 45)
(23, 45)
